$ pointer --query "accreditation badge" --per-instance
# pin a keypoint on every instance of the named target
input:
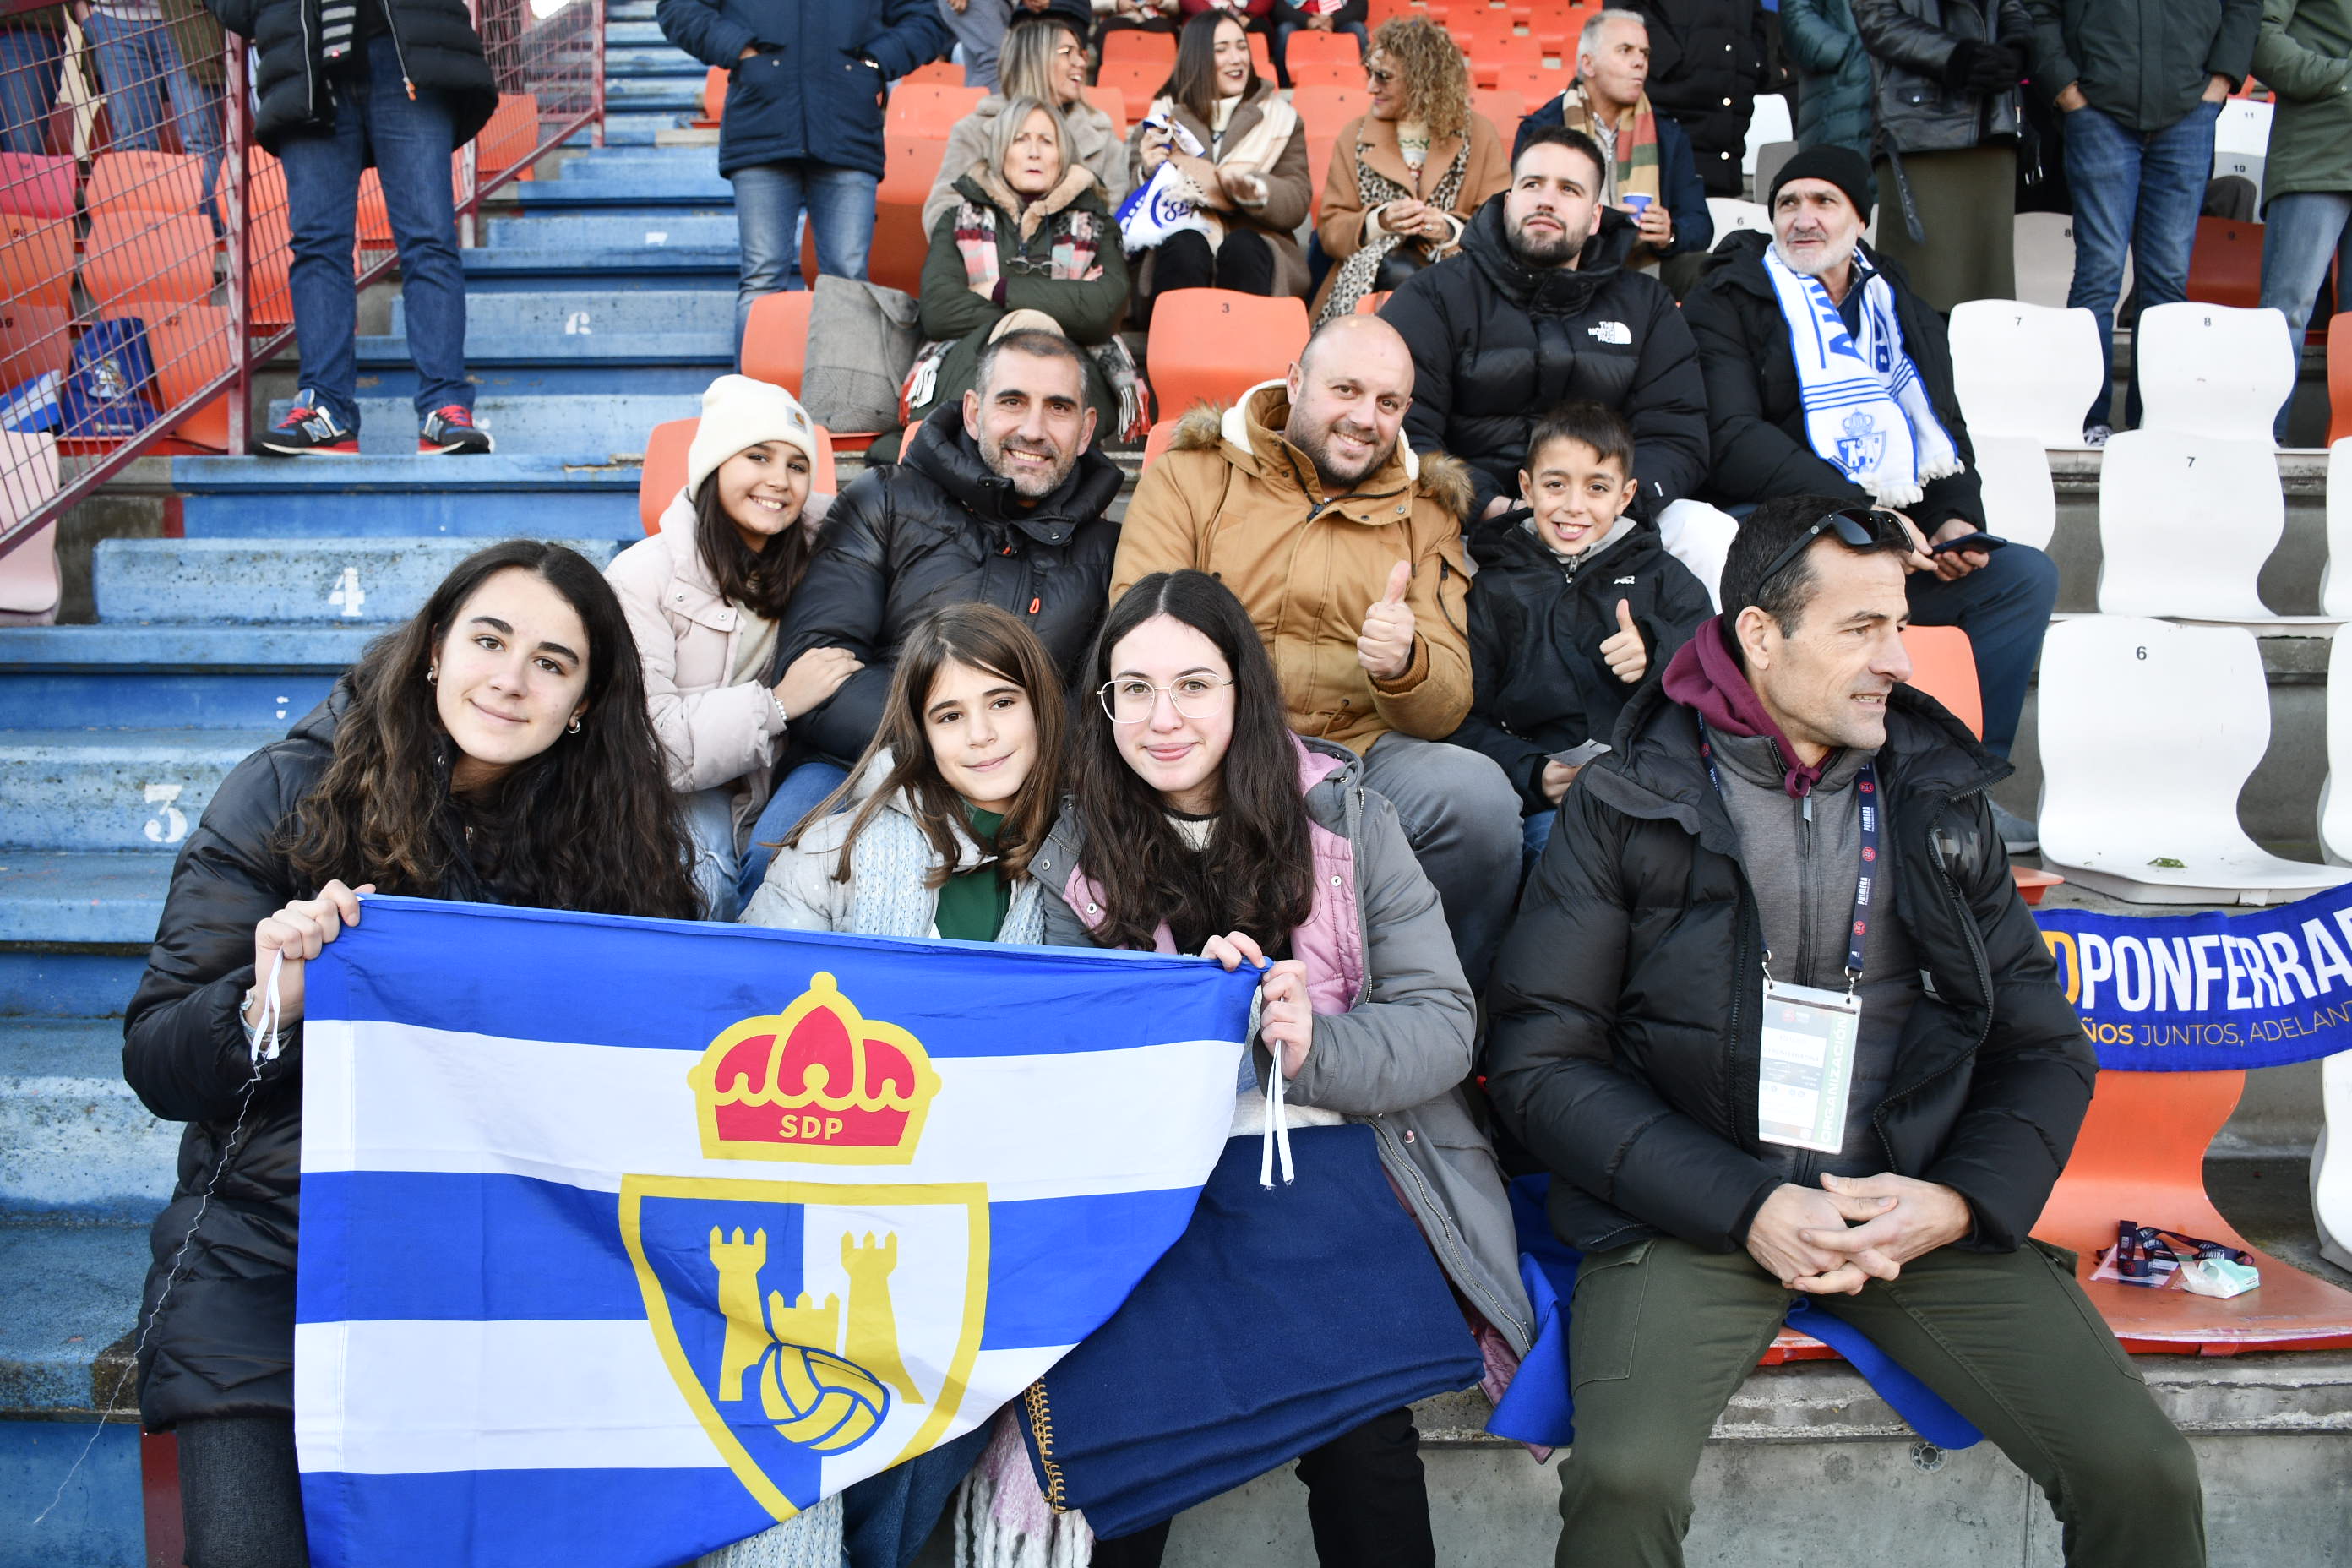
(1808, 1066)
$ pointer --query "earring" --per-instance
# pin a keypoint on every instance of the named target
(432, 676)
(572, 728)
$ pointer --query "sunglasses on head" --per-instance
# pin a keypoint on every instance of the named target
(1859, 528)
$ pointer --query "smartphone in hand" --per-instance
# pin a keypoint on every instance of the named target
(1979, 541)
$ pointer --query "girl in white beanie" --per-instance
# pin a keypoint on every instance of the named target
(703, 598)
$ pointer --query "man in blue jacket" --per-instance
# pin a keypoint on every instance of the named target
(803, 125)
(1651, 174)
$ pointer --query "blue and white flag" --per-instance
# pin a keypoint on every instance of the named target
(623, 1239)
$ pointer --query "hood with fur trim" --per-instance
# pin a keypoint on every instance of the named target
(1251, 429)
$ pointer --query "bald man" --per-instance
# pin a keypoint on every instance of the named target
(1346, 549)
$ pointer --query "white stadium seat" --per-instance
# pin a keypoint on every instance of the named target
(2212, 369)
(2243, 126)
(1731, 214)
(2026, 369)
(1769, 123)
(2331, 1167)
(2336, 587)
(2147, 731)
(2020, 502)
(2185, 524)
(2336, 790)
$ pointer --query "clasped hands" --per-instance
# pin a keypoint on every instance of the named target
(1832, 1239)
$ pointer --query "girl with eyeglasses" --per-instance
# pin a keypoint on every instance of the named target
(1198, 823)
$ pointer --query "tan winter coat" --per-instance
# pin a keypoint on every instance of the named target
(1233, 498)
(1340, 219)
(712, 733)
(1290, 190)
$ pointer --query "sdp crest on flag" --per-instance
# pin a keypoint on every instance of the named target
(624, 1239)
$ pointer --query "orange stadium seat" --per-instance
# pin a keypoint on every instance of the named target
(930, 108)
(33, 185)
(146, 259)
(1138, 81)
(35, 339)
(37, 261)
(775, 338)
(1325, 109)
(1502, 108)
(1330, 58)
(510, 137)
(1532, 83)
(1210, 346)
(947, 73)
(191, 346)
(2226, 267)
(715, 83)
(1490, 56)
(1112, 101)
(1944, 666)
(1162, 436)
(2339, 376)
(166, 182)
(1130, 46)
(1369, 305)
(1261, 55)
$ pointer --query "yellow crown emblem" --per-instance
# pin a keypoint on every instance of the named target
(818, 1081)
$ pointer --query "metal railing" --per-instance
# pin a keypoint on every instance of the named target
(145, 238)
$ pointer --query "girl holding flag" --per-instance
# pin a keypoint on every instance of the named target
(1238, 840)
(932, 834)
(495, 748)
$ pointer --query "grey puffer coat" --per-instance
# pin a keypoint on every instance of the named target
(1392, 1047)
(1834, 86)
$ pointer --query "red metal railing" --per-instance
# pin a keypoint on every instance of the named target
(145, 240)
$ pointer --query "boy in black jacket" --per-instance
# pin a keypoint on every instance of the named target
(1573, 605)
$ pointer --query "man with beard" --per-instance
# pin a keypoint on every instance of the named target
(1346, 548)
(997, 501)
(1540, 308)
(1827, 375)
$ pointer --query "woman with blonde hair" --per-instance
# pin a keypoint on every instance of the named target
(1405, 177)
(1045, 59)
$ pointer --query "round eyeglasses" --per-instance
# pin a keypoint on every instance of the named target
(1132, 701)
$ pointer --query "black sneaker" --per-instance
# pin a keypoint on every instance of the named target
(310, 430)
(452, 430)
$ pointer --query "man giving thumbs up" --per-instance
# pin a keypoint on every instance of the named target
(1346, 548)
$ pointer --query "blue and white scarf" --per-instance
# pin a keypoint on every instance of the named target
(1864, 409)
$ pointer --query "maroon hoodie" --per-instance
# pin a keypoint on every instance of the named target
(1705, 675)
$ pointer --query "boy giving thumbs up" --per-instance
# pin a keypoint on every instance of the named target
(1574, 604)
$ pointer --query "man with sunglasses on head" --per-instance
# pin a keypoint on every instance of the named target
(1827, 373)
(1776, 1019)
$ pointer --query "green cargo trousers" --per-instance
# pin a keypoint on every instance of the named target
(1662, 1332)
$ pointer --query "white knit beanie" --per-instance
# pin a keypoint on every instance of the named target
(738, 412)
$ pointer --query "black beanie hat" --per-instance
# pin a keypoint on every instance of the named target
(1841, 166)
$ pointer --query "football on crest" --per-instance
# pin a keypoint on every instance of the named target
(819, 1400)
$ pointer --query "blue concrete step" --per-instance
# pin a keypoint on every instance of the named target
(536, 495)
(637, 129)
(702, 228)
(632, 94)
(112, 789)
(93, 1477)
(674, 365)
(72, 1135)
(599, 268)
(171, 677)
(637, 62)
(644, 194)
(579, 312)
(627, 11)
(52, 1339)
(49, 982)
(644, 32)
(632, 163)
(110, 899)
(554, 423)
(289, 582)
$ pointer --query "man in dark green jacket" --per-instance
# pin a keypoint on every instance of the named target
(2139, 84)
(2304, 55)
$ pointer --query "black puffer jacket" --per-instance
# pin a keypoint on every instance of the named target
(1623, 1036)
(940, 528)
(439, 49)
(1495, 343)
(1707, 64)
(1912, 45)
(1538, 682)
(224, 1342)
(1756, 412)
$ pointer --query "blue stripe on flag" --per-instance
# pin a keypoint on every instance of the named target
(961, 999)
(1056, 1265)
(524, 1519)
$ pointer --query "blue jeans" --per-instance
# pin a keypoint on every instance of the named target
(139, 62)
(797, 793)
(410, 140)
(2302, 233)
(2004, 606)
(1536, 831)
(885, 1519)
(30, 64)
(768, 201)
(1282, 30)
(2140, 191)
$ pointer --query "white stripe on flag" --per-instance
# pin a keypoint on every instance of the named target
(443, 1396)
(439, 1100)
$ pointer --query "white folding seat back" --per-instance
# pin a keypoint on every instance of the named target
(2147, 731)
(1731, 214)
(2336, 587)
(2213, 370)
(2024, 370)
(2020, 501)
(2335, 794)
(2185, 524)
(30, 585)
(2043, 246)
(2244, 127)
(2331, 1161)
(1768, 124)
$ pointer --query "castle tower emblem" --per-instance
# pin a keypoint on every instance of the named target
(824, 1378)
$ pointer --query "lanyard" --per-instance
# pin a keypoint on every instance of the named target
(1857, 932)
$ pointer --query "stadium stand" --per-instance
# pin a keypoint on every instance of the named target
(2208, 369)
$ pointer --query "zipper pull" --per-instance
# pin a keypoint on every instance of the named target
(411, 87)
